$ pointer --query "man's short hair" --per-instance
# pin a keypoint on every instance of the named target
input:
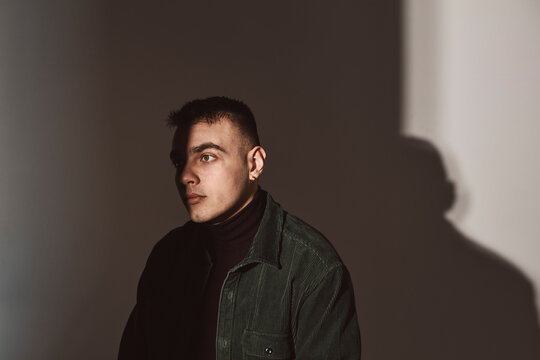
(211, 110)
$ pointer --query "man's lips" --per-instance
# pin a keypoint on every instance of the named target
(192, 199)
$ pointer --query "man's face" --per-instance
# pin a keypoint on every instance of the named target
(212, 173)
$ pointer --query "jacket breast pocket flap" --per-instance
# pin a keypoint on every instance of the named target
(260, 345)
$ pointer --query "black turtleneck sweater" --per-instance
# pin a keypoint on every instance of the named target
(227, 243)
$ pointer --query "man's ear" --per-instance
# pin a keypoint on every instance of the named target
(256, 157)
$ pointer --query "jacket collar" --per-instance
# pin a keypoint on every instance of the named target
(266, 243)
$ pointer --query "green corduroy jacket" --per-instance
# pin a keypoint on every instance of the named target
(291, 297)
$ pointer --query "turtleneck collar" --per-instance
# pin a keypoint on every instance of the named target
(238, 231)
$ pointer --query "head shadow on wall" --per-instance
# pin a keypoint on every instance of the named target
(424, 289)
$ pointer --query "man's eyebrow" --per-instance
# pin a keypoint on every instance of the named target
(208, 145)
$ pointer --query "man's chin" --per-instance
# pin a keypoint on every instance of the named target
(207, 219)
(197, 217)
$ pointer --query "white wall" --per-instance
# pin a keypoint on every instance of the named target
(472, 86)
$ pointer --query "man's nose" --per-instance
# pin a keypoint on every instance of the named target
(188, 175)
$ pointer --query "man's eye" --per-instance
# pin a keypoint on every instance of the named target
(208, 158)
(177, 164)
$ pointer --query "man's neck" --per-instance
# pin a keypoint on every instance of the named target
(242, 225)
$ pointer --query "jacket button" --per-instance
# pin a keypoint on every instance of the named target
(268, 351)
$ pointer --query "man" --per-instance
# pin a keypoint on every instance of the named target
(242, 279)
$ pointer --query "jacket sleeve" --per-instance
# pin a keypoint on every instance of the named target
(327, 325)
(132, 345)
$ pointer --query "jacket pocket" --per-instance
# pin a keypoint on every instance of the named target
(259, 345)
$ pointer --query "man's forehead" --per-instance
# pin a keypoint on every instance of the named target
(222, 133)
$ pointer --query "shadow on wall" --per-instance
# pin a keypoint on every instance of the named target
(426, 291)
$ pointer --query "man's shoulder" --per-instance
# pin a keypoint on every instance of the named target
(179, 236)
(307, 241)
